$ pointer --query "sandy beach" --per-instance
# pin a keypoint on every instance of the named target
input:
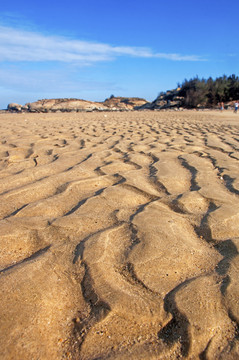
(119, 235)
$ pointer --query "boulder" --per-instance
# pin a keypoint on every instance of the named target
(14, 107)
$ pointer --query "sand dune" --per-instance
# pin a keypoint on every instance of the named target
(119, 235)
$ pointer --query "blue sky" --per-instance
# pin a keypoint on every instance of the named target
(92, 49)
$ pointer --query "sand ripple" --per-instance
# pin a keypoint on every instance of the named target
(119, 236)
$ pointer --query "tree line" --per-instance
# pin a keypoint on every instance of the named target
(209, 92)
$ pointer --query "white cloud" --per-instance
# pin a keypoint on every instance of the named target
(22, 45)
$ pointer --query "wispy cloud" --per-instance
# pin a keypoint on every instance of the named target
(22, 45)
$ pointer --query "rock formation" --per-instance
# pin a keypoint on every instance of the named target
(61, 105)
(124, 103)
(14, 107)
(71, 105)
(165, 100)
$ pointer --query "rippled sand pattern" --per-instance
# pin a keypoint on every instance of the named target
(119, 236)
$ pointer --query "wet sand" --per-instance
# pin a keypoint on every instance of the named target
(119, 235)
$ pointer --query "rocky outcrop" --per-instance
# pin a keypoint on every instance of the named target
(165, 100)
(77, 105)
(124, 103)
(64, 105)
(58, 105)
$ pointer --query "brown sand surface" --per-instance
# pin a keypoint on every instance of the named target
(119, 236)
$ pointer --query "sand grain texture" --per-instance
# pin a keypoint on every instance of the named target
(119, 236)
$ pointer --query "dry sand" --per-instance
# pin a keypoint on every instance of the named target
(119, 236)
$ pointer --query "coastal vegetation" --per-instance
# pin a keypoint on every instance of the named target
(209, 92)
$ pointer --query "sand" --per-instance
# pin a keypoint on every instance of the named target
(119, 235)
